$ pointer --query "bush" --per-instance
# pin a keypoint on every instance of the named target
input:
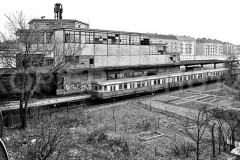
(49, 140)
(183, 148)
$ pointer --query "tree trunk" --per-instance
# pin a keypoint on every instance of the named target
(232, 141)
(24, 122)
(197, 151)
(213, 141)
(21, 111)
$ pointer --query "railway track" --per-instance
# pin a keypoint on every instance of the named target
(74, 105)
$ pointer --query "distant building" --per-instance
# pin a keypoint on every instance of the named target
(171, 41)
(236, 48)
(187, 45)
(56, 23)
(228, 48)
(209, 47)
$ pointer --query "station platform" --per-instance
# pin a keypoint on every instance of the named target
(44, 102)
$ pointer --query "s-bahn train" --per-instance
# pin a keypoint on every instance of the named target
(122, 87)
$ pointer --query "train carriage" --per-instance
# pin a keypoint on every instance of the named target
(122, 87)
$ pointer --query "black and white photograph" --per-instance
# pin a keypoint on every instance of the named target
(119, 80)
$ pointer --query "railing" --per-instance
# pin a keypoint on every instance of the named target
(202, 57)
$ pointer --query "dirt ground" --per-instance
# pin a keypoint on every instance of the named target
(164, 113)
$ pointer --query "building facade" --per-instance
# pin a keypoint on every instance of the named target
(187, 45)
(209, 47)
(228, 48)
(236, 49)
(171, 41)
(106, 54)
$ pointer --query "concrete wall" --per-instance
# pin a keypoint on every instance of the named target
(79, 82)
(119, 55)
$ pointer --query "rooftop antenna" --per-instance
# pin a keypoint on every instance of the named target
(58, 10)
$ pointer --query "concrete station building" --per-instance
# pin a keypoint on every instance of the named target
(109, 54)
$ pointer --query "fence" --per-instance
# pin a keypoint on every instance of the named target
(12, 118)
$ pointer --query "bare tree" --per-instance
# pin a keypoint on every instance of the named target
(217, 116)
(231, 65)
(198, 129)
(33, 58)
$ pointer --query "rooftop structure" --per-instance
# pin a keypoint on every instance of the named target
(56, 23)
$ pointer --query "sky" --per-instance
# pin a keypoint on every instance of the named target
(215, 19)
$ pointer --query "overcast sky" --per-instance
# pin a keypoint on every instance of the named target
(215, 19)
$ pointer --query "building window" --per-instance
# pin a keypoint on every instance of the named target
(153, 50)
(124, 39)
(83, 38)
(144, 40)
(113, 38)
(40, 38)
(135, 39)
(91, 61)
(49, 37)
(89, 37)
(72, 37)
(100, 38)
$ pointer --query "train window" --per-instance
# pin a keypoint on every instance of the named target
(170, 80)
(131, 85)
(138, 84)
(143, 83)
(125, 85)
(148, 83)
(100, 88)
(95, 87)
(180, 78)
(163, 81)
(120, 86)
(159, 81)
(155, 82)
(105, 88)
(113, 88)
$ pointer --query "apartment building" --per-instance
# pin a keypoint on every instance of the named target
(209, 47)
(187, 45)
(228, 48)
(171, 41)
(236, 48)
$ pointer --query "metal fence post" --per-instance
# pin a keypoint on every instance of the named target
(1, 125)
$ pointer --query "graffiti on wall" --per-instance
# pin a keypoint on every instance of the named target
(77, 86)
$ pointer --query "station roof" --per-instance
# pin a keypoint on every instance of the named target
(194, 62)
(56, 20)
(182, 63)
